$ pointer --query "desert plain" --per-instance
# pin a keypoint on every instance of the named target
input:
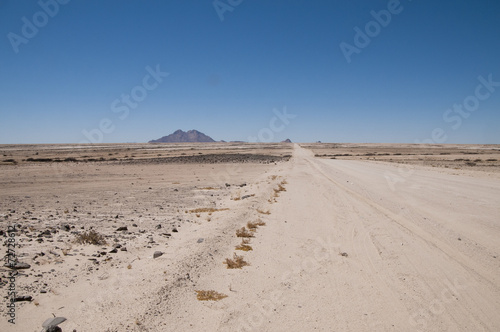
(337, 237)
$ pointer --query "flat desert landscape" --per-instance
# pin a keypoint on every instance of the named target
(251, 237)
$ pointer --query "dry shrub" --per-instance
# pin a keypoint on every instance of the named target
(236, 263)
(90, 237)
(210, 295)
(243, 232)
(237, 196)
(208, 188)
(244, 247)
(201, 210)
(263, 212)
(252, 225)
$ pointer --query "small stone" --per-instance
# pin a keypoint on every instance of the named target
(113, 251)
(157, 254)
(174, 230)
(123, 228)
(23, 298)
(43, 291)
(54, 329)
(158, 226)
(18, 266)
(200, 240)
(123, 249)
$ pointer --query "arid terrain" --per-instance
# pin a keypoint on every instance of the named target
(327, 237)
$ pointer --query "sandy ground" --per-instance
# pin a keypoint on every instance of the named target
(347, 245)
(468, 157)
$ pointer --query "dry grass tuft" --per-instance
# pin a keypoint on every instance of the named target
(263, 212)
(244, 245)
(210, 295)
(243, 232)
(252, 225)
(90, 237)
(201, 210)
(236, 263)
(209, 188)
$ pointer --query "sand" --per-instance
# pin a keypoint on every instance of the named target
(347, 245)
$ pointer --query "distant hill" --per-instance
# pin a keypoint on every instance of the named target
(180, 136)
(286, 141)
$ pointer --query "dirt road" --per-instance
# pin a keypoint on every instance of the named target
(359, 246)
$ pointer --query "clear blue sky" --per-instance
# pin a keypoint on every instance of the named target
(225, 77)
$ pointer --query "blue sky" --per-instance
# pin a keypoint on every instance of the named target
(229, 77)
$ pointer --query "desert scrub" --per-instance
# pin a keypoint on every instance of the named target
(209, 295)
(263, 212)
(244, 245)
(252, 225)
(90, 237)
(200, 210)
(243, 232)
(237, 262)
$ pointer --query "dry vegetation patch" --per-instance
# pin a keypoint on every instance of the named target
(244, 245)
(210, 210)
(90, 237)
(252, 225)
(237, 262)
(243, 232)
(209, 295)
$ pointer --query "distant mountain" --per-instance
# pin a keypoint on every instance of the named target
(180, 136)
(286, 141)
